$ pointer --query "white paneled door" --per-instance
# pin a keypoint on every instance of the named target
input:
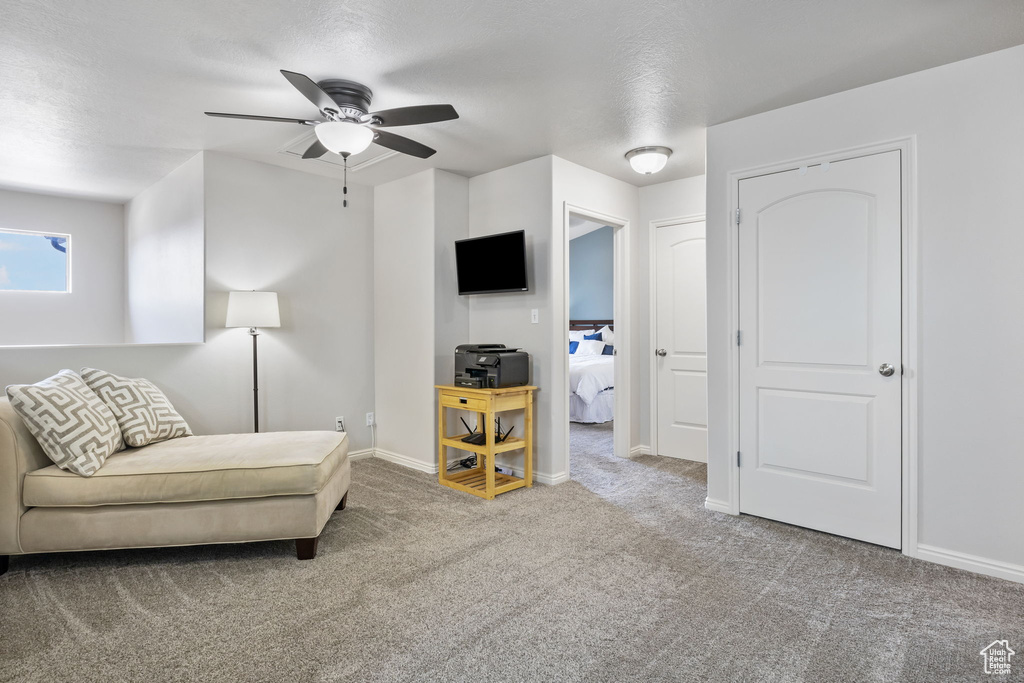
(681, 341)
(820, 353)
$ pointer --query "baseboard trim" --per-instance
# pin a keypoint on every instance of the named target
(360, 454)
(550, 479)
(639, 449)
(972, 563)
(404, 461)
(541, 478)
(717, 505)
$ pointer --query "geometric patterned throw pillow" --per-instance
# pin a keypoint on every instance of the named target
(75, 429)
(143, 412)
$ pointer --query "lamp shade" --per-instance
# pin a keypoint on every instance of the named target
(253, 309)
(342, 137)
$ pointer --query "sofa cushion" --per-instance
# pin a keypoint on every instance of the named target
(200, 468)
(73, 426)
(142, 411)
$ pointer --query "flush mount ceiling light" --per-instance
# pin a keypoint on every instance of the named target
(344, 138)
(648, 160)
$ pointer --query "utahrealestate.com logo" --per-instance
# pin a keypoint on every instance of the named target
(997, 657)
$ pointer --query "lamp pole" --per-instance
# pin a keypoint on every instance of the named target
(253, 310)
(255, 383)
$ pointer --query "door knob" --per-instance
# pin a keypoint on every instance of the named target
(661, 352)
(886, 370)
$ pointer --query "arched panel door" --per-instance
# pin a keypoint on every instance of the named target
(681, 341)
(820, 358)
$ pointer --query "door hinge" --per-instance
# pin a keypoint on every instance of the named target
(739, 337)
(737, 216)
(738, 459)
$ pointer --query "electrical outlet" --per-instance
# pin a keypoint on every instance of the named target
(369, 419)
(534, 315)
(339, 424)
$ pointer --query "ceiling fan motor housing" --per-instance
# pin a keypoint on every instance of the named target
(353, 98)
(347, 102)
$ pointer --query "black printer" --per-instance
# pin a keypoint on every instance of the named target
(490, 366)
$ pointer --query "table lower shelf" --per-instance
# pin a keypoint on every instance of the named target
(510, 444)
(475, 481)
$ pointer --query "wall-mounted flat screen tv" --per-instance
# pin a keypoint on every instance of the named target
(495, 263)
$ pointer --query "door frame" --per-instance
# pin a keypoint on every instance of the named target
(622, 290)
(652, 289)
(910, 292)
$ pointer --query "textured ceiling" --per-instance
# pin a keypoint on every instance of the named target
(103, 98)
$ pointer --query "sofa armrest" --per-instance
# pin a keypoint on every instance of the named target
(20, 454)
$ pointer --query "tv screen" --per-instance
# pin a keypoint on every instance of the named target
(495, 263)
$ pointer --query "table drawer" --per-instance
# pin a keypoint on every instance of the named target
(464, 402)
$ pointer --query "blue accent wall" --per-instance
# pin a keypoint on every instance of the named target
(591, 275)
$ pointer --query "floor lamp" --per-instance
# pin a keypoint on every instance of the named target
(253, 310)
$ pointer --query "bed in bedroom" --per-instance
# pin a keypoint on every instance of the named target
(591, 371)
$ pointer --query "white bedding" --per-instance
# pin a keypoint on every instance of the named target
(590, 375)
(601, 409)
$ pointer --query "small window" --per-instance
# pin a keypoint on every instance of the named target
(34, 261)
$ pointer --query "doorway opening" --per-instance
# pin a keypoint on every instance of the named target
(593, 338)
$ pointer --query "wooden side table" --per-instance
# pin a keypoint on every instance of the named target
(483, 481)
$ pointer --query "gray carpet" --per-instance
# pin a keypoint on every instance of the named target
(619, 575)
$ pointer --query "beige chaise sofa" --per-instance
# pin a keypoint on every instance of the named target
(228, 488)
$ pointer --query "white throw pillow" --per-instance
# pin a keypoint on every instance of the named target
(577, 335)
(590, 347)
(143, 412)
(607, 336)
(75, 429)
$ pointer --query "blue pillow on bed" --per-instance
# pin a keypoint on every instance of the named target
(609, 350)
(596, 336)
(573, 345)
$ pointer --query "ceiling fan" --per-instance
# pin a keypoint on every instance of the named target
(348, 127)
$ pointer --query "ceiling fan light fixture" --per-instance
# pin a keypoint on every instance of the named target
(342, 137)
(647, 160)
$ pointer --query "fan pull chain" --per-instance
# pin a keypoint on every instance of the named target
(344, 202)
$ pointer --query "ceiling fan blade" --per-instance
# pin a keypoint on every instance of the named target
(402, 144)
(312, 91)
(315, 151)
(251, 117)
(410, 116)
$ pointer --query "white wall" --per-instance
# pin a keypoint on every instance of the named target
(970, 162)
(276, 229)
(403, 323)
(451, 311)
(419, 316)
(164, 259)
(674, 199)
(520, 198)
(93, 312)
